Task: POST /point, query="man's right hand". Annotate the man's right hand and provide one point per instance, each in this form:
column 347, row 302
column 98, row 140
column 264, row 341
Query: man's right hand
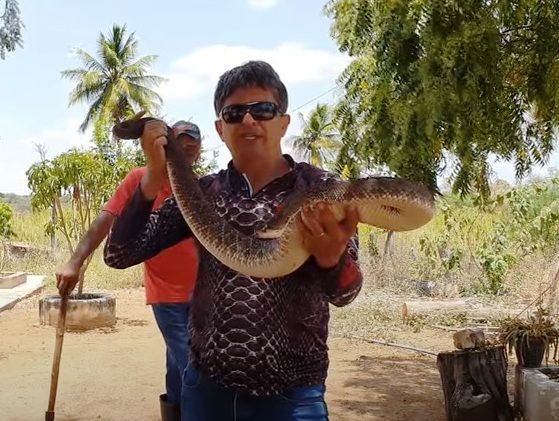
column 67, row 277
column 153, row 141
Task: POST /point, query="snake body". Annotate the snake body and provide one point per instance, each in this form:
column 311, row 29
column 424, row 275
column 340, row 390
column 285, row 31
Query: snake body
column 386, row 202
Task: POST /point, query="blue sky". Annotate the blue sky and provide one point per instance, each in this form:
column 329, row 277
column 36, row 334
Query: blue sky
column 195, row 40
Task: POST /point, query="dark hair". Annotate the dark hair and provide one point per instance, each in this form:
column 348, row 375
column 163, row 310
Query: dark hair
column 252, row 73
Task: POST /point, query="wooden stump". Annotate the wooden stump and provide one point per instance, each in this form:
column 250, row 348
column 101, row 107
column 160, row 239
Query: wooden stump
column 475, row 384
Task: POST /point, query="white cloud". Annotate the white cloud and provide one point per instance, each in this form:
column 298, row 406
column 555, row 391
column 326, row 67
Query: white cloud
column 262, row 4
column 197, row 73
column 18, row 154
column 60, row 139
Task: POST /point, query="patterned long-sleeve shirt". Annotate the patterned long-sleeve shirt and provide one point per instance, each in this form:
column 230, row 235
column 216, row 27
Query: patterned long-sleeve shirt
column 260, row 336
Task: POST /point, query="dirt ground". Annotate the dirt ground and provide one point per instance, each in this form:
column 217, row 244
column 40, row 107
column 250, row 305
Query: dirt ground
column 117, row 373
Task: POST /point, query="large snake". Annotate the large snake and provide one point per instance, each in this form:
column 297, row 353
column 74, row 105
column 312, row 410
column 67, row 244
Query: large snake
column 390, row 203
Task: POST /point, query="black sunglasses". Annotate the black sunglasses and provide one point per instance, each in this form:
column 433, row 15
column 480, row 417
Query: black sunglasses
column 260, row 111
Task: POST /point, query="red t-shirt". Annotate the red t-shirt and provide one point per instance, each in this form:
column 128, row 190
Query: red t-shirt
column 169, row 276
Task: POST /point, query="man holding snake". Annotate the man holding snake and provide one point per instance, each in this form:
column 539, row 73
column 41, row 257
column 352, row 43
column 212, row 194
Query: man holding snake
column 258, row 346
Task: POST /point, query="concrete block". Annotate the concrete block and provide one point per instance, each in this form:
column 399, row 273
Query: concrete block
column 539, row 394
column 12, row 279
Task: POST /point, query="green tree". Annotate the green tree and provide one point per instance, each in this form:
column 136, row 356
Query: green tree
column 204, row 166
column 319, row 140
column 115, row 84
column 10, row 28
column 76, row 183
column 437, row 83
column 6, row 214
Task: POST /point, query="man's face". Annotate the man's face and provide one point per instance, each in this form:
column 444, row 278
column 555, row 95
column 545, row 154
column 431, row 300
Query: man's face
column 251, row 136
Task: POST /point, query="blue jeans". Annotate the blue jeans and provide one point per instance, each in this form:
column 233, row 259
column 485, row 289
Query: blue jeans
column 172, row 319
column 204, row 400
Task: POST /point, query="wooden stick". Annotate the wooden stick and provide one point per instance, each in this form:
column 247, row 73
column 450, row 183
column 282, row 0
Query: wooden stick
column 60, row 328
column 377, row 342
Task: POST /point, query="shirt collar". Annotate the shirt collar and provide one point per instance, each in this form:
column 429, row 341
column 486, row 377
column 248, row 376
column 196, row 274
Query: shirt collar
column 237, row 181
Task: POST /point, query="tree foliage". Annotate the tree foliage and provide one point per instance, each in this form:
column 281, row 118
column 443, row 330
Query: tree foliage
column 116, row 84
column 204, row 166
column 84, row 179
column 76, row 184
column 319, row 140
column 6, row 214
column 488, row 242
column 437, row 83
column 11, row 28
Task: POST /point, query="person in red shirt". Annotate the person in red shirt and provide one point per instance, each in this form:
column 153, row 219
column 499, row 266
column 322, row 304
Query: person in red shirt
column 168, row 277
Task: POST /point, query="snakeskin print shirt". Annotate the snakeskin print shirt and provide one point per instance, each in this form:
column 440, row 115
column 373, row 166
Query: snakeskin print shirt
column 258, row 336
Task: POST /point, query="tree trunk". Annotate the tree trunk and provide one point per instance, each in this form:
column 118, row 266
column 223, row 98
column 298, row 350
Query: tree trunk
column 453, row 307
column 422, row 308
column 388, row 247
column 475, row 385
column 80, row 281
column 82, row 272
column 53, row 233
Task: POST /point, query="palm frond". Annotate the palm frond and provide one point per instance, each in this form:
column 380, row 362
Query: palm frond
column 146, row 81
column 139, row 66
column 90, row 62
column 92, row 115
column 116, row 81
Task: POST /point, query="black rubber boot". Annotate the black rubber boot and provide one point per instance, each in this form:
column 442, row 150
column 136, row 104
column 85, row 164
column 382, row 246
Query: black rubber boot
column 169, row 412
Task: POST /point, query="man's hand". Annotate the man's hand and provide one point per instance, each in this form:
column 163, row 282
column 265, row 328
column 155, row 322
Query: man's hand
column 324, row 237
column 153, row 141
column 67, row 277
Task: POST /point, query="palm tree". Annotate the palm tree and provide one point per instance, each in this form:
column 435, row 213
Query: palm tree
column 319, row 140
column 116, row 82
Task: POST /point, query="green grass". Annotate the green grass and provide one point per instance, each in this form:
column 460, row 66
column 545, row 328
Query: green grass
column 98, row 275
column 29, row 228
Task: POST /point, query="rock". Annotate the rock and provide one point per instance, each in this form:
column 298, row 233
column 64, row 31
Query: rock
column 469, row 339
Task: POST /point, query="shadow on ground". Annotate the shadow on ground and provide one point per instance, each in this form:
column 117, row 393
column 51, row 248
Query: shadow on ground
column 387, row 388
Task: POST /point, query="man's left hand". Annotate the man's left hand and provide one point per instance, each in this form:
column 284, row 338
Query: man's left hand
column 323, row 236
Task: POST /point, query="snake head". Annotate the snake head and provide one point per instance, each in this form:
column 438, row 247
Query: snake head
column 131, row 128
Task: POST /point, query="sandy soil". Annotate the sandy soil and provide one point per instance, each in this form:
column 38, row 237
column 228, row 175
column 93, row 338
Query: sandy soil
column 117, row 373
